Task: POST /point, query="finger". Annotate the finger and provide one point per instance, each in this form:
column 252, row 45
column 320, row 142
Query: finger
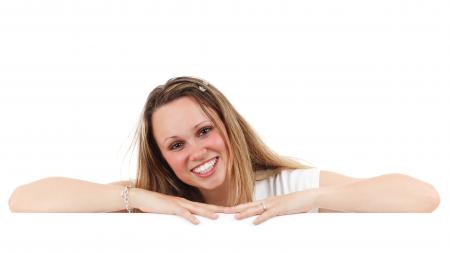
column 188, row 216
column 229, row 209
column 198, row 209
column 263, row 217
column 251, row 211
column 204, row 212
column 212, row 208
column 241, row 207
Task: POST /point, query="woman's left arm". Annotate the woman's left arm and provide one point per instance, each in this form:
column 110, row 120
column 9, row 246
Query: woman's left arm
column 386, row 193
column 339, row 193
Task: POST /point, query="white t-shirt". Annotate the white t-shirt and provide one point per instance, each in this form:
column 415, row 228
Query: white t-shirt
column 287, row 181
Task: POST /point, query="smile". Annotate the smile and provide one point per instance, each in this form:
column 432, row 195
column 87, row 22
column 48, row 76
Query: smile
column 207, row 168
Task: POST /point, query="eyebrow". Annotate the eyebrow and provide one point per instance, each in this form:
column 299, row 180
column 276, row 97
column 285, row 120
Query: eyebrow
column 174, row 137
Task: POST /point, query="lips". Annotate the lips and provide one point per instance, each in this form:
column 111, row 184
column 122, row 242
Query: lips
column 207, row 169
column 210, row 160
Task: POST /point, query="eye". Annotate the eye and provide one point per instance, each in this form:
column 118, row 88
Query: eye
column 205, row 130
column 176, row 145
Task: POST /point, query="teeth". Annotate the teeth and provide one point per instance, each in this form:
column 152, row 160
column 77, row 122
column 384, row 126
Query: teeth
column 205, row 167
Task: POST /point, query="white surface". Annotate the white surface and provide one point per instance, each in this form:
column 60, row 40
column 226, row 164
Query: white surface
column 162, row 233
column 357, row 87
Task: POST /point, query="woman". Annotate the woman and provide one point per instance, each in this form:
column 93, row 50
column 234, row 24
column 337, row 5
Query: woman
column 197, row 155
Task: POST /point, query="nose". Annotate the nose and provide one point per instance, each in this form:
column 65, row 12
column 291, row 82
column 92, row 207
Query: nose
column 198, row 152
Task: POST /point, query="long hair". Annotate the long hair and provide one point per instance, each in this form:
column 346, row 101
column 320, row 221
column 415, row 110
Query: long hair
column 249, row 159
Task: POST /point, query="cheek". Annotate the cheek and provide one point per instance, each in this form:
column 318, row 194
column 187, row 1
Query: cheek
column 216, row 142
column 176, row 161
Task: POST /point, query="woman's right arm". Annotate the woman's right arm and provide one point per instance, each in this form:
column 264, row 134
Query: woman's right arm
column 60, row 194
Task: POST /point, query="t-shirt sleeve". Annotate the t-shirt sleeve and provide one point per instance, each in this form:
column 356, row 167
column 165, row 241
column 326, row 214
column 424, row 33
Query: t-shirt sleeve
column 302, row 179
column 286, row 182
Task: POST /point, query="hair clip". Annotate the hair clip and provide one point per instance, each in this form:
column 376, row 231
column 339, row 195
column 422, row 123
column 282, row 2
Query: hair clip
column 203, row 86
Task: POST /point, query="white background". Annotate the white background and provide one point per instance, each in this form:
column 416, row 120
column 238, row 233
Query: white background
column 357, row 87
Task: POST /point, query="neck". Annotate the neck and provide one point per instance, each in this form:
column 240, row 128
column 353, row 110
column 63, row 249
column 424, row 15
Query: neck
column 217, row 196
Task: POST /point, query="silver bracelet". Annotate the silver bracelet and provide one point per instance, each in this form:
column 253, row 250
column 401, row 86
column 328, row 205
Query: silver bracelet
column 124, row 196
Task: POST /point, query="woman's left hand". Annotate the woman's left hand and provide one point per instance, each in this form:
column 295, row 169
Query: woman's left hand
column 292, row 203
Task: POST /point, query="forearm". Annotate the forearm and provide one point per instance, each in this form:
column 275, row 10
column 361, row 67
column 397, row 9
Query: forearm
column 59, row 194
column 387, row 193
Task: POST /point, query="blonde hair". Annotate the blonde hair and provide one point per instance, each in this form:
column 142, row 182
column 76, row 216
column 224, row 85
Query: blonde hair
column 249, row 159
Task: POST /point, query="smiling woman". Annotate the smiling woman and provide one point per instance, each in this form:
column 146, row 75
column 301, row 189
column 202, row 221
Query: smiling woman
column 196, row 152
column 198, row 155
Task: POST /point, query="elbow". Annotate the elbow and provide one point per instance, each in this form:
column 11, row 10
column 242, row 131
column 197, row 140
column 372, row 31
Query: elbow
column 19, row 200
column 24, row 197
column 433, row 200
column 13, row 202
column 430, row 197
column 426, row 197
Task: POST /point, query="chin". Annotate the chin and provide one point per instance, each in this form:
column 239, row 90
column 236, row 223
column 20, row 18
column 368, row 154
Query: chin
column 210, row 185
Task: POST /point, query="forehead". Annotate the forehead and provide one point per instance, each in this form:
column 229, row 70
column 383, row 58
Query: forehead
column 176, row 118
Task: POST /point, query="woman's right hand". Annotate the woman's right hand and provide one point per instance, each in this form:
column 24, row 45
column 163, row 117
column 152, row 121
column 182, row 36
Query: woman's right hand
column 154, row 202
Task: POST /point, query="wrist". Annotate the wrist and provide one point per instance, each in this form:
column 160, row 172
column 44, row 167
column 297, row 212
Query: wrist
column 133, row 198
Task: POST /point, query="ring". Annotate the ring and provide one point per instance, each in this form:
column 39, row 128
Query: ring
column 264, row 206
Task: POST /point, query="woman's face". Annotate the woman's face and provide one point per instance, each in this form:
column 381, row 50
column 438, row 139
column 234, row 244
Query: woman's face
column 190, row 143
